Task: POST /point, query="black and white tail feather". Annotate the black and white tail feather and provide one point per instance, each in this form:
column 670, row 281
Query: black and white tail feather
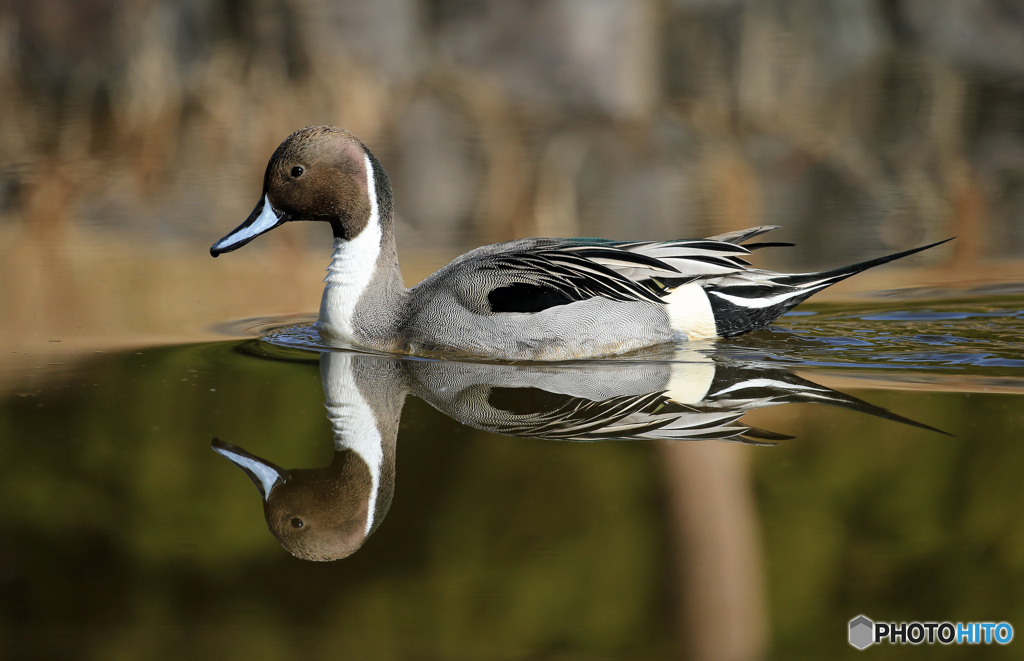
column 742, row 299
column 753, row 299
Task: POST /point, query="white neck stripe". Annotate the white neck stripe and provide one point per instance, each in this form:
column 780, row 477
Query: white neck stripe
column 352, row 266
column 371, row 189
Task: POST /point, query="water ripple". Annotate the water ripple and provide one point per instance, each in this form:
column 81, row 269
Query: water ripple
column 979, row 336
column 974, row 335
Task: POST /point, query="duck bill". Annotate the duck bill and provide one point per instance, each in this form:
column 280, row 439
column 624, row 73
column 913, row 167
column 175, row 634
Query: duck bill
column 265, row 475
column 262, row 219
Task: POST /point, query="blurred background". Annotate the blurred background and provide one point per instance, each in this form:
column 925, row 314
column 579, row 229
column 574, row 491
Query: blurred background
column 133, row 134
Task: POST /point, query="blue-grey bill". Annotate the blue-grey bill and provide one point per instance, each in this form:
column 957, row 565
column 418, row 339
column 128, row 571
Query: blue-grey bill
column 262, row 219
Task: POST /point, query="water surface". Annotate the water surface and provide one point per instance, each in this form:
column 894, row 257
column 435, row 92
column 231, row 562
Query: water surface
column 127, row 535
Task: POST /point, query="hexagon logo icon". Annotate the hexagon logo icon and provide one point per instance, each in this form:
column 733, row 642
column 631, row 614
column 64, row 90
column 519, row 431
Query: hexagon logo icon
column 862, row 632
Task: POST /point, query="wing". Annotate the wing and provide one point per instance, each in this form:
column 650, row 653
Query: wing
column 531, row 281
column 531, row 275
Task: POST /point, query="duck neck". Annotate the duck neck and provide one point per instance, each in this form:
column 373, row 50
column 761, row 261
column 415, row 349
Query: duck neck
column 364, row 291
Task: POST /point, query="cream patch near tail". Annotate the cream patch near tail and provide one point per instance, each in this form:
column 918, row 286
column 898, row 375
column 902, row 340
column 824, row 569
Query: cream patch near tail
column 689, row 312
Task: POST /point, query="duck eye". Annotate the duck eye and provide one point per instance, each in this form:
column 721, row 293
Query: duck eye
column 297, row 522
column 297, row 172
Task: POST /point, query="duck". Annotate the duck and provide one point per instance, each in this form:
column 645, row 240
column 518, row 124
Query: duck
column 533, row 299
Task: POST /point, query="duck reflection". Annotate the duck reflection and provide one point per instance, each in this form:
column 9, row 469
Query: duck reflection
column 327, row 513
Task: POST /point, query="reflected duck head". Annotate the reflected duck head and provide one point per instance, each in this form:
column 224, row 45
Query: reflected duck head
column 317, row 514
column 317, row 173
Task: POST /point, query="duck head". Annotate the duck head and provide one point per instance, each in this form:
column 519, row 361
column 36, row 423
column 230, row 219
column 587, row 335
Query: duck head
column 318, row 173
column 316, row 514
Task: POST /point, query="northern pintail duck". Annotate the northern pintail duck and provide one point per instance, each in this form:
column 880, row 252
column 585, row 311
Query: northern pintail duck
column 530, row 299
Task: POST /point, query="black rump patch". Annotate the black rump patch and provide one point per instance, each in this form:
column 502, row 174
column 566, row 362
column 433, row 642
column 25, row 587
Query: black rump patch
column 732, row 319
column 524, row 297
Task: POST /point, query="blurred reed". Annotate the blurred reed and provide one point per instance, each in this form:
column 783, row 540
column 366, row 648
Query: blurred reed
column 857, row 124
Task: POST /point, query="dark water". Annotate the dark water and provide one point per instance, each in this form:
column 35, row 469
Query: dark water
column 127, row 536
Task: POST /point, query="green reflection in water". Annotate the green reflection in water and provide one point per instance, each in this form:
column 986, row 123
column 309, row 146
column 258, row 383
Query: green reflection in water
column 125, row 536
column 898, row 526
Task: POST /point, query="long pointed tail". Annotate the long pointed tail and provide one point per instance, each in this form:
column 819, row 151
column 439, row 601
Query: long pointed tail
column 836, row 275
column 743, row 306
